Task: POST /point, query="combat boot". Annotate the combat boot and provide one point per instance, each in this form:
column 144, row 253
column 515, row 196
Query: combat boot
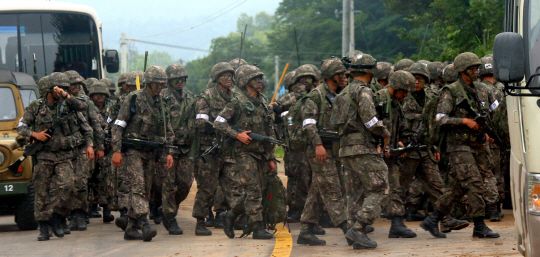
column 398, row 229
column 240, row 222
column 219, row 219
column 294, row 216
column 492, row 213
column 449, row 223
column 360, row 238
column 481, row 230
column 93, row 212
column 73, row 221
column 43, row 231
column 131, row 232
column 343, row 226
column 200, row 228
column 81, row 225
column 431, row 224
column 318, row 230
column 414, row 215
column 157, row 216
column 147, row 232
column 259, row 232
column 172, row 225
column 326, row 222
column 307, row 237
column 211, row 220
column 228, row 223
column 63, row 223
column 107, row 216
column 122, row 221
column 56, row 226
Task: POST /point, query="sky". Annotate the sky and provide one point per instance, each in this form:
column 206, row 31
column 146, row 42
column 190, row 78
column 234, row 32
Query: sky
column 143, row 19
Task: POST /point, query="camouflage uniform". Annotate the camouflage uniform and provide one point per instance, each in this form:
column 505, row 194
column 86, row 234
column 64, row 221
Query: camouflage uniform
column 53, row 177
column 148, row 120
column 245, row 166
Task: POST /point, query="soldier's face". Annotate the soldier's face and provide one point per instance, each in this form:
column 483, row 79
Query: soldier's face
column 157, row 87
column 131, row 88
column 400, row 94
column 178, row 83
column 123, row 87
column 74, row 88
column 383, row 82
column 98, row 98
column 256, row 83
column 472, row 72
column 420, row 82
column 341, row 79
column 225, row 79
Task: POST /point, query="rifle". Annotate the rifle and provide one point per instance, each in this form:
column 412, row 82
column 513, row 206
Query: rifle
column 136, row 143
column 484, row 123
column 395, row 152
column 257, row 137
column 327, row 135
column 34, row 147
column 145, row 59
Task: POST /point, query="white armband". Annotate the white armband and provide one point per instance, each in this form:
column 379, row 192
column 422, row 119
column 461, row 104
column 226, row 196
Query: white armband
column 109, row 120
column 202, row 116
column 493, row 106
column 284, row 113
column 439, row 116
column 309, row 121
column 22, row 124
column 372, row 122
column 221, row 119
column 120, row 123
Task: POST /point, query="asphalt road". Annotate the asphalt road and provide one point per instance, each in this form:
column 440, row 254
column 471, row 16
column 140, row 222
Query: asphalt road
column 107, row 240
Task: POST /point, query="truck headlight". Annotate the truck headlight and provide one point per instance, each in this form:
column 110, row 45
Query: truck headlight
column 2, row 158
column 534, row 193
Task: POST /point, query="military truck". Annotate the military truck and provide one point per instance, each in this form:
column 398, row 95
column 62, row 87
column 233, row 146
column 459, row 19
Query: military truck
column 17, row 90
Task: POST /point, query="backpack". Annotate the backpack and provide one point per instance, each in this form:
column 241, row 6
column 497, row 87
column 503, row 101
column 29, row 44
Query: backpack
column 431, row 129
column 274, row 202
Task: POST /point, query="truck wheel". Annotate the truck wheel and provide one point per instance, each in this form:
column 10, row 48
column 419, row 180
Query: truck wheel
column 25, row 212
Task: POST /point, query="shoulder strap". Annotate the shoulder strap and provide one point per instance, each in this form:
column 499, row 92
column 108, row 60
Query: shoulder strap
column 347, row 89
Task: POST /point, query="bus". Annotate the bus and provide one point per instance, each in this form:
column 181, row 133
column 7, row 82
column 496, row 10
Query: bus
column 41, row 37
column 516, row 55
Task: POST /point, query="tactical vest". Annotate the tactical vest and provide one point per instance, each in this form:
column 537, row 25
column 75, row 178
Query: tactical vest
column 180, row 111
column 147, row 118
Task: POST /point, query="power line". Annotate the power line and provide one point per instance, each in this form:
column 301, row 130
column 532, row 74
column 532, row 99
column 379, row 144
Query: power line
column 167, row 45
column 197, row 24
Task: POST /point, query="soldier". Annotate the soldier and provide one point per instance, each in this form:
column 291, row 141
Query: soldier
column 365, row 171
column 422, row 164
column 322, row 154
column 237, row 63
column 178, row 179
column 208, row 105
column 464, row 145
column 403, row 64
column 130, row 85
column 79, row 203
column 384, row 70
column 449, row 74
column 86, row 84
column 435, row 76
column 103, row 172
column 53, row 177
column 500, row 119
column 246, row 162
column 112, row 90
column 142, row 116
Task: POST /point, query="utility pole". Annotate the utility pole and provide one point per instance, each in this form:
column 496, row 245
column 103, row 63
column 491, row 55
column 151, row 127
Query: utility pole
column 276, row 77
column 346, row 30
column 123, row 54
column 351, row 26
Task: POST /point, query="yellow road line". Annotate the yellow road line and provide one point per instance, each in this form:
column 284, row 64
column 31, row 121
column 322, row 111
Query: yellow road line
column 284, row 242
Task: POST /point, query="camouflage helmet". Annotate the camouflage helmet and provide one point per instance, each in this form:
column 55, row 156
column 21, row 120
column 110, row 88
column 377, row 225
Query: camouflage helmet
column 220, row 68
column 288, row 79
column 89, row 82
column 403, row 64
column 43, row 86
column 486, row 68
column 316, row 70
column 331, row 67
column 403, row 80
column 176, row 71
column 353, row 53
column 303, row 71
column 246, row 73
column 99, row 88
column 110, row 83
column 132, row 78
column 236, row 63
column 58, row 79
column 155, row 74
column 383, row 71
column 74, row 77
column 420, row 69
column 465, row 60
column 363, row 63
column 123, row 78
column 424, row 61
column 435, row 70
column 449, row 75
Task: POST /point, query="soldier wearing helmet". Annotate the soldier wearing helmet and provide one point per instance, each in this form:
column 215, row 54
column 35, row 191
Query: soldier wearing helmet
column 305, row 77
column 318, row 79
column 143, row 115
column 208, row 105
column 79, row 204
column 421, row 75
column 435, row 75
column 449, row 74
column 465, row 148
column 53, row 173
column 322, row 154
column 384, row 70
column 403, row 64
column 242, row 170
column 177, row 180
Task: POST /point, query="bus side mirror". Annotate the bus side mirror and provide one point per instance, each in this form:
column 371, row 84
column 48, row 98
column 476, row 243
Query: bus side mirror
column 110, row 59
column 509, row 57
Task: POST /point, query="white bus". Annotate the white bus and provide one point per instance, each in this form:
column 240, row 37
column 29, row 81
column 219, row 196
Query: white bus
column 517, row 65
column 59, row 36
